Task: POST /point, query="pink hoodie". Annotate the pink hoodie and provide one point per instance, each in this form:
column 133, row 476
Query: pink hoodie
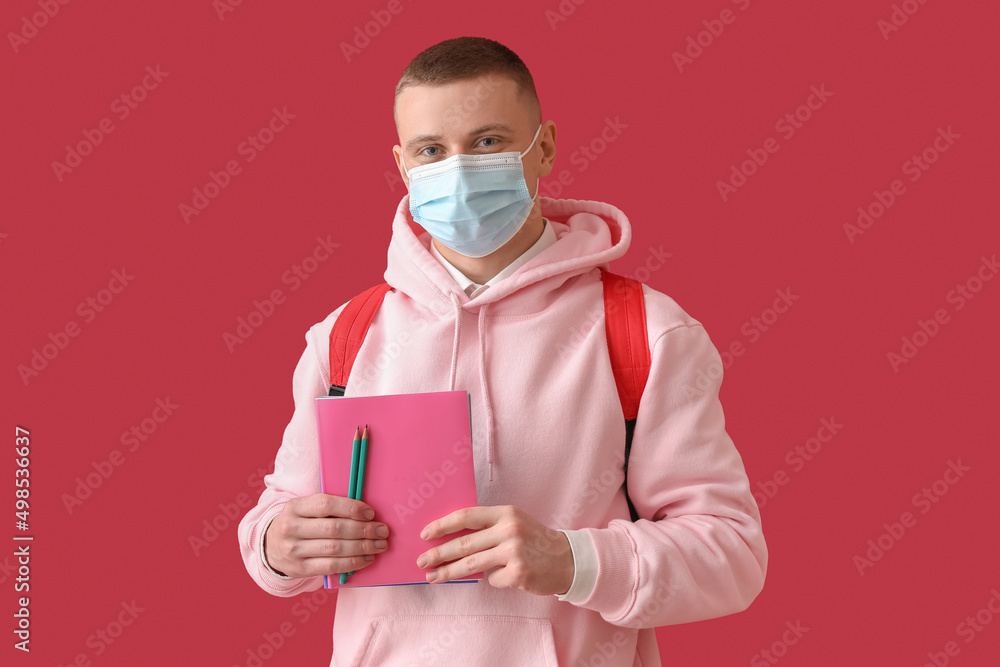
column 548, row 436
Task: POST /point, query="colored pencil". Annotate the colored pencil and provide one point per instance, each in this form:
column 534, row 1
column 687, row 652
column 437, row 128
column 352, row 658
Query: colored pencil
column 352, row 485
column 361, row 464
column 362, row 459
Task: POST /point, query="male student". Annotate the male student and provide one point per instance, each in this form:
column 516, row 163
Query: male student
column 499, row 292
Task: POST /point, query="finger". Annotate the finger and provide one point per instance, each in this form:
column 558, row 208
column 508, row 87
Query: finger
column 306, row 549
column 459, row 547
column 311, row 567
column 475, row 518
column 471, row 564
column 309, row 528
column 326, row 505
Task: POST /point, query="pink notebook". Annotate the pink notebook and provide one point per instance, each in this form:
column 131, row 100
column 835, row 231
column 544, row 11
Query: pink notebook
column 419, row 468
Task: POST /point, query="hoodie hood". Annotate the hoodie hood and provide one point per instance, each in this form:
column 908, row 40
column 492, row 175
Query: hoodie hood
column 589, row 235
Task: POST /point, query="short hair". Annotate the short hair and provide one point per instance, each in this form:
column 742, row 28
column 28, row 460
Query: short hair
column 465, row 58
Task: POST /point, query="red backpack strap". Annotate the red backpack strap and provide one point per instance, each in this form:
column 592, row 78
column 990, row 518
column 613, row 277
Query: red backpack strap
column 628, row 345
column 349, row 332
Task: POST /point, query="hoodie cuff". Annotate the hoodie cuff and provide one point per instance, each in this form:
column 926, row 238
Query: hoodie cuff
column 614, row 591
column 585, row 563
column 263, row 557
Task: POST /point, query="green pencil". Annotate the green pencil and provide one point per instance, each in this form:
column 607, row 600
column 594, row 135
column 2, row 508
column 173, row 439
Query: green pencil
column 361, row 464
column 352, row 485
column 362, row 458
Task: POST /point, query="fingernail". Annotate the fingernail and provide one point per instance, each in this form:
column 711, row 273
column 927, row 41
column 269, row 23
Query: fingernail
column 369, row 557
column 432, row 575
column 422, row 561
column 380, row 544
column 382, row 531
column 423, row 534
column 369, row 514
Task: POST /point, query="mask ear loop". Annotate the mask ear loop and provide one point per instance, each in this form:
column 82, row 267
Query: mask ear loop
column 538, row 181
column 526, row 150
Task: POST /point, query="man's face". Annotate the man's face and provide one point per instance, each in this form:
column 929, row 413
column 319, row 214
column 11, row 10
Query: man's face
column 474, row 116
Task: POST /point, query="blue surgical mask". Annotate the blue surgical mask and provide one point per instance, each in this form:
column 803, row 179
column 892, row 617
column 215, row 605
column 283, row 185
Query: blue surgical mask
column 472, row 203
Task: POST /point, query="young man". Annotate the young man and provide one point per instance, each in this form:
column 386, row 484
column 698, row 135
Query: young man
column 499, row 292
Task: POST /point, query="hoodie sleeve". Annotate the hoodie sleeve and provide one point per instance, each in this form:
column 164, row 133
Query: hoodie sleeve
column 296, row 466
column 699, row 551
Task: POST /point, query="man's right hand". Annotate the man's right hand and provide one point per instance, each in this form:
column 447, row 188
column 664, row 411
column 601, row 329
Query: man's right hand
column 323, row 534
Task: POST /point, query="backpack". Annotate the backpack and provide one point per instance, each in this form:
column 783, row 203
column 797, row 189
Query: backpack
column 625, row 325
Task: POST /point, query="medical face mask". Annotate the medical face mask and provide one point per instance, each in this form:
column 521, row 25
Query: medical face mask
column 472, row 203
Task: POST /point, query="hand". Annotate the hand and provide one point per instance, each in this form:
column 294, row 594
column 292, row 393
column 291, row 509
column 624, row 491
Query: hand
column 525, row 554
column 323, row 534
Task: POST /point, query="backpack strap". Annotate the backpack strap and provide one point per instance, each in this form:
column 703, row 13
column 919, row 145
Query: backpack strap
column 625, row 326
column 349, row 332
column 628, row 346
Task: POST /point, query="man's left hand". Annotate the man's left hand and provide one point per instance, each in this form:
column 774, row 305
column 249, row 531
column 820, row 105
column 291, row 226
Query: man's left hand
column 521, row 552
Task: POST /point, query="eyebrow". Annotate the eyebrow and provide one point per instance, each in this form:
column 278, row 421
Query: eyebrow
column 489, row 127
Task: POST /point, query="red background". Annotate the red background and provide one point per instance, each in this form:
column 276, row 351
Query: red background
column 325, row 175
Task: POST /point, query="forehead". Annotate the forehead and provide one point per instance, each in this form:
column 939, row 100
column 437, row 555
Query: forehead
column 458, row 106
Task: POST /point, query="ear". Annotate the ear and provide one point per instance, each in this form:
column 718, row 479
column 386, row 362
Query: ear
column 547, row 142
column 397, row 154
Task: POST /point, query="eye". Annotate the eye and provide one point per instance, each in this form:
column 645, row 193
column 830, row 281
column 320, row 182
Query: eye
column 492, row 139
column 428, row 148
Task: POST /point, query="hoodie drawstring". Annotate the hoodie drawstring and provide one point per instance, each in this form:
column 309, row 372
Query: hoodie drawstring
column 454, row 345
column 483, row 387
column 490, row 445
